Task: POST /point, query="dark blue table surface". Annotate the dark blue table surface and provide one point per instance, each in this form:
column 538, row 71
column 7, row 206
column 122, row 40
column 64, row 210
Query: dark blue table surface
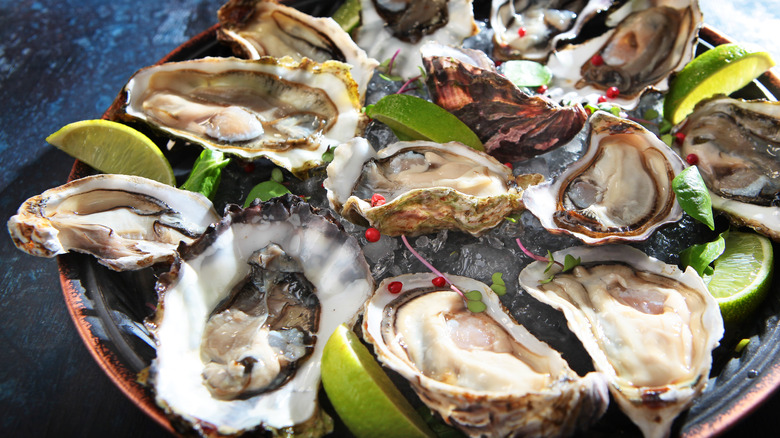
column 64, row 61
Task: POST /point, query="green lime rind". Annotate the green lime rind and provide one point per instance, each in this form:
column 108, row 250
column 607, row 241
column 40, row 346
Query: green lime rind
column 742, row 275
column 112, row 147
column 413, row 118
column 721, row 70
column 348, row 15
column 366, row 399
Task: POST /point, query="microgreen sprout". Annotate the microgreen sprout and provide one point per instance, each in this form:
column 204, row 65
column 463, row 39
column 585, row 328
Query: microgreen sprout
column 473, row 298
column 569, row 262
column 327, row 156
column 405, row 87
column 498, row 286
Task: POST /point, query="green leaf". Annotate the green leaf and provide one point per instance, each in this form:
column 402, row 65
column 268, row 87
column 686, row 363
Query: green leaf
column 741, row 345
column 476, row 306
column 499, row 289
column 473, row 295
column 547, row 280
column 668, row 139
column 650, row 114
column 700, row 256
column 206, row 173
column 665, row 127
column 265, row 191
column 498, row 286
column 693, row 196
column 527, row 73
column 514, row 218
column 569, row 262
column 327, row 156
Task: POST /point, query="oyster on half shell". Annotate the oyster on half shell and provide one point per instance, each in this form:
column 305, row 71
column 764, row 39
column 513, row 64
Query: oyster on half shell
column 544, row 22
column 620, row 190
column 243, row 318
column 426, row 186
column 644, row 43
column 127, row 222
column 737, row 144
column 257, row 28
column 482, row 372
column 649, row 327
column 403, row 26
column 287, row 111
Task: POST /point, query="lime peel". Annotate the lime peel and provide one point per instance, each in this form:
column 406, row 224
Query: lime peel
column 414, row 118
column 362, row 394
column 723, row 69
column 112, row 147
column 742, row 275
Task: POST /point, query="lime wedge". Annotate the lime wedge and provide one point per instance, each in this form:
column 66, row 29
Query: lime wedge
column 348, row 15
column 721, row 70
column 743, row 274
column 413, row 118
column 362, row 394
column 112, row 147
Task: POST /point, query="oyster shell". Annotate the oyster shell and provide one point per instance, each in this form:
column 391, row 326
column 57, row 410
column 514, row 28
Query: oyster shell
column 513, row 125
column 427, row 187
column 646, row 41
column 483, row 373
column 290, row 112
column 403, row 26
column 243, row 318
column 544, row 22
column 127, row 222
column 620, row 190
column 257, row 28
column 737, row 143
column 649, row 327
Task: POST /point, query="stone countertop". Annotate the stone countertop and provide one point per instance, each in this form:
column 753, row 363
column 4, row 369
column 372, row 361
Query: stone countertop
column 64, row 61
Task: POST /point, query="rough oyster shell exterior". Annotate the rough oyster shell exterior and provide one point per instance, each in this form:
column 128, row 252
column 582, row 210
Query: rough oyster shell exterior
column 427, row 208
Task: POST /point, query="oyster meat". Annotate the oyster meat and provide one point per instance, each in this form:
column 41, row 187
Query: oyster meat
column 257, row 28
column 127, row 222
column 426, row 187
column 620, row 190
column 483, row 373
column 512, row 124
column 736, row 144
column 543, row 22
column 243, row 318
column 403, row 26
column 645, row 42
column 649, row 327
column 288, row 111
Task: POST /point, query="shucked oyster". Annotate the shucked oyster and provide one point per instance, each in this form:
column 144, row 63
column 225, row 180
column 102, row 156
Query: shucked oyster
column 543, row 22
column 426, row 187
column 127, row 222
column 649, row 327
column 483, row 373
column 403, row 26
column 620, row 190
column 646, row 41
column 290, row 112
column 243, row 319
column 736, row 145
column 257, row 28
column 513, row 125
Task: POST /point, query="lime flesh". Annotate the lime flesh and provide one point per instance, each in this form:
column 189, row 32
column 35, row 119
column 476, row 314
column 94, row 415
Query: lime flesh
column 112, row 147
column 743, row 274
column 362, row 394
column 721, row 70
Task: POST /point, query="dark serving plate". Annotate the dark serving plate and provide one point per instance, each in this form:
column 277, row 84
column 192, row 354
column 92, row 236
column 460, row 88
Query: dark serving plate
column 108, row 308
